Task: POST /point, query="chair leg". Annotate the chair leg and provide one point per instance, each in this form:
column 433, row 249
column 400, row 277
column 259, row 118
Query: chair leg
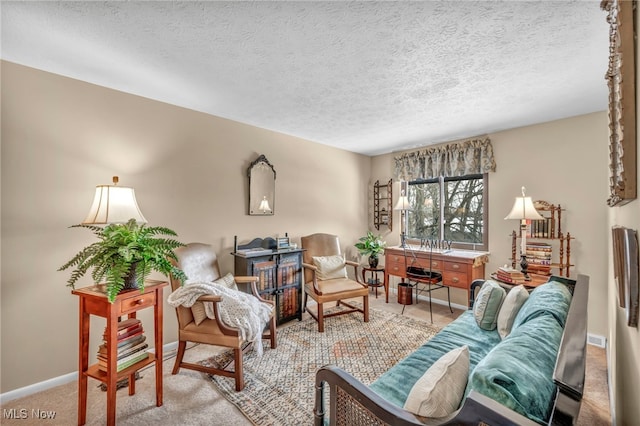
column 272, row 332
column 430, row 309
column 238, row 369
column 449, row 299
column 320, row 318
column 365, row 304
column 182, row 345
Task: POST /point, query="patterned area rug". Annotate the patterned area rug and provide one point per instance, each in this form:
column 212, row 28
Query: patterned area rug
column 279, row 386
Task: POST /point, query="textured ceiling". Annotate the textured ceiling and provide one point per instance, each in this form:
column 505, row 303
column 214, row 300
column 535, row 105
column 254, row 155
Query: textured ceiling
column 368, row 77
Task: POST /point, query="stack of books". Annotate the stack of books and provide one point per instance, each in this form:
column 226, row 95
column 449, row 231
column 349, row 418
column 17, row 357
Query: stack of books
column 539, row 258
column 131, row 347
column 542, row 228
column 510, row 275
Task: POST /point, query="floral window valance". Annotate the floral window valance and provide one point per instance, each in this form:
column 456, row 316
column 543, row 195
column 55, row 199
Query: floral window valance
column 474, row 156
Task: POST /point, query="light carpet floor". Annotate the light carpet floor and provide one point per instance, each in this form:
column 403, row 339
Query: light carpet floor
column 190, row 398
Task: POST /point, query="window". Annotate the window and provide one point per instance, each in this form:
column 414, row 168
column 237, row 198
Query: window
column 449, row 208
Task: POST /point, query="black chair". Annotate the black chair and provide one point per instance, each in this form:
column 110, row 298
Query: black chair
column 418, row 275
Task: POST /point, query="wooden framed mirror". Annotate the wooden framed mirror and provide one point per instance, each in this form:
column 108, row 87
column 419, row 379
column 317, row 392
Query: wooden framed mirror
column 262, row 187
column 620, row 76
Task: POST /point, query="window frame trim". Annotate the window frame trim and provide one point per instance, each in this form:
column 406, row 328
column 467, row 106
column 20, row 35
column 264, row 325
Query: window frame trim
column 484, row 246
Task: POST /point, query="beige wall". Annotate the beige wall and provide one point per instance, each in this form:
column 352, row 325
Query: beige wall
column 62, row 137
column 624, row 349
column 562, row 162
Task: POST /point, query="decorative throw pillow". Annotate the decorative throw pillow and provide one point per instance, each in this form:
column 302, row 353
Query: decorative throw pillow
column 487, row 305
column 510, row 307
column 197, row 309
column 440, row 390
column 198, row 312
column 330, row 267
column 227, row 281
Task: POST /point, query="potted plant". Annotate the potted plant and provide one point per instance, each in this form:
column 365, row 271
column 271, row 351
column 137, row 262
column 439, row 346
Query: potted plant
column 371, row 245
column 125, row 255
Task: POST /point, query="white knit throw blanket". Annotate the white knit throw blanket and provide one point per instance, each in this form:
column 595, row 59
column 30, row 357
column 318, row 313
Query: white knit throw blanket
column 237, row 309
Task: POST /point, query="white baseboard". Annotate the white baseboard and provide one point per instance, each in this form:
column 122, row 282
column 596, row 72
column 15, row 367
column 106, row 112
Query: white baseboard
column 38, row 387
column 57, row 381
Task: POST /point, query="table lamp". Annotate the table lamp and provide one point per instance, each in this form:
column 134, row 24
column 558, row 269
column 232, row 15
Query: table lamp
column 403, row 206
column 522, row 210
column 114, row 204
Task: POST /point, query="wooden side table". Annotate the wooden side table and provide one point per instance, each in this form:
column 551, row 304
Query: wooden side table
column 93, row 301
column 374, row 281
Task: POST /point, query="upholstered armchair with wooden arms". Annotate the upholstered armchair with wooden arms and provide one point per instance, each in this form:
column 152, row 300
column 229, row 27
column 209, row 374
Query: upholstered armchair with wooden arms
column 326, row 278
column 199, row 262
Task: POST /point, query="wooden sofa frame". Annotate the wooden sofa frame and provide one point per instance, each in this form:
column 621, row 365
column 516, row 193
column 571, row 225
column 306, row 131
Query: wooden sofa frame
column 352, row 403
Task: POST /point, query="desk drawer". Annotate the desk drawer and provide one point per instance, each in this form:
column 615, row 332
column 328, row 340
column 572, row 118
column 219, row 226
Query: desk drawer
column 435, row 265
column 455, row 266
column 137, row 301
column 455, row 279
column 395, row 266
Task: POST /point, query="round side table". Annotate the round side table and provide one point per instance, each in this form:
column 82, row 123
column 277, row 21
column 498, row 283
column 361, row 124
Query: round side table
column 374, row 281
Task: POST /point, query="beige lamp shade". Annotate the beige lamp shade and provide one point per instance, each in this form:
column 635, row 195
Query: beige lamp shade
column 114, row 204
column 523, row 209
column 403, row 202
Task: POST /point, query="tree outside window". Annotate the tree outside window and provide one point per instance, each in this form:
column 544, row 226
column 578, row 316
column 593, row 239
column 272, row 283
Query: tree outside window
column 452, row 209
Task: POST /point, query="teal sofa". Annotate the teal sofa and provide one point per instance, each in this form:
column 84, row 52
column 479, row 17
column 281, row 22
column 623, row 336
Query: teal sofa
column 533, row 376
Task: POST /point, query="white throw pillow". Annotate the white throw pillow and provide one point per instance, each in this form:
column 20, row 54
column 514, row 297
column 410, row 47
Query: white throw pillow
column 440, row 390
column 227, row 281
column 510, row 308
column 198, row 312
column 330, row 267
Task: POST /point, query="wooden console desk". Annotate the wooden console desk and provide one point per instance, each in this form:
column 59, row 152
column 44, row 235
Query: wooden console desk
column 93, row 301
column 458, row 267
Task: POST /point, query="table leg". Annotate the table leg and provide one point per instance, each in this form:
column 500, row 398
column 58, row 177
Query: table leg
column 112, row 373
column 157, row 319
column 83, row 363
column 386, row 286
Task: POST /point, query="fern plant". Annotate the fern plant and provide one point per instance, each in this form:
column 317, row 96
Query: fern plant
column 124, row 251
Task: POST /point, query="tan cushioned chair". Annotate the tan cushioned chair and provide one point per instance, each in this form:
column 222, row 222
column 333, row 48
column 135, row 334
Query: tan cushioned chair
column 199, row 262
column 330, row 290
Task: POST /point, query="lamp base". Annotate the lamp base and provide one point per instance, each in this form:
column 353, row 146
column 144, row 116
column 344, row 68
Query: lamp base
column 524, row 265
column 403, row 240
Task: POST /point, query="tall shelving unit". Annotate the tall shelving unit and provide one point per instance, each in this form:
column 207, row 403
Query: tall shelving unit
column 382, row 209
column 549, row 230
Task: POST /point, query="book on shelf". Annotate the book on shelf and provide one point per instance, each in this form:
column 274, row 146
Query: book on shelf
column 125, row 362
column 256, row 251
column 127, row 325
column 131, row 341
column 510, row 275
column 102, row 350
column 125, row 354
column 539, row 269
column 136, row 331
column 539, row 228
column 130, row 346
